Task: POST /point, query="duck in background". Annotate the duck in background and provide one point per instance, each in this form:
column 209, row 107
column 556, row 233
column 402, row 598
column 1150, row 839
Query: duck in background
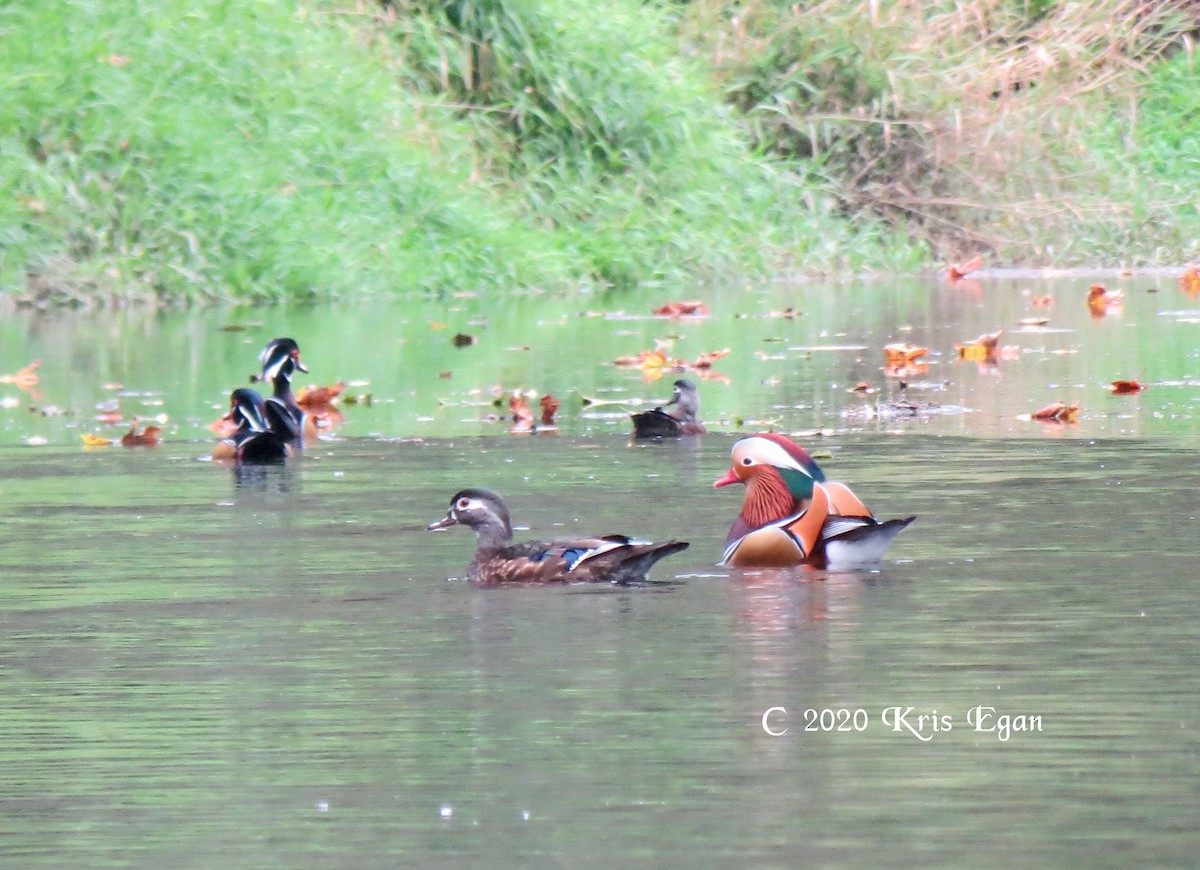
column 680, row 418
column 792, row 515
column 280, row 360
column 498, row 561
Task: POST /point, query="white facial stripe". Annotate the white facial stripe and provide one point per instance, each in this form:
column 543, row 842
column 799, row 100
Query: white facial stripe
column 767, row 452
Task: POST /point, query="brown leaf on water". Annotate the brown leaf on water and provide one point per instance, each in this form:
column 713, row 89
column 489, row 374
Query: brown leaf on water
column 982, row 349
column 462, row 339
column 549, row 408
column 25, row 379
column 862, row 388
column 958, row 271
column 148, row 437
column 1189, row 281
column 1057, row 412
column 1103, row 302
column 317, row 397
column 522, row 417
column 683, row 309
column 1126, row 388
column 705, row 360
column 899, row 353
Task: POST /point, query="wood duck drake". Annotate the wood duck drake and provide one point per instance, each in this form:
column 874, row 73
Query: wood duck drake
column 682, row 419
column 264, row 434
column 498, row 561
column 792, row 515
column 280, row 360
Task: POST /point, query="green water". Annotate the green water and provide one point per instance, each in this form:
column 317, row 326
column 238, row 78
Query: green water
column 282, row 670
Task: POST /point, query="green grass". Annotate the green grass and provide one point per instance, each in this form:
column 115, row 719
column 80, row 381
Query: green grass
column 188, row 151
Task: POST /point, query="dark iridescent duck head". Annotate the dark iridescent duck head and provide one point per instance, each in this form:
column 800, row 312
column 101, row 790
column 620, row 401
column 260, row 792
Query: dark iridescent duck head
column 264, row 430
column 609, row 558
column 680, row 416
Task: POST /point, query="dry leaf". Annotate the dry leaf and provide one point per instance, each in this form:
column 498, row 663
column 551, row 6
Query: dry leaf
column 958, row 271
column 1058, row 412
column 1126, row 388
column 682, row 309
column 315, row 397
column 91, row 440
column 463, row 340
column 549, row 408
column 1189, row 281
column 148, row 437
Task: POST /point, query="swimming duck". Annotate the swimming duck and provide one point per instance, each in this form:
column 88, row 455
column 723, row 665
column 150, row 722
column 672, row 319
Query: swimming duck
column 793, row 515
column 679, row 420
column 265, row 430
column 280, row 360
column 612, row 558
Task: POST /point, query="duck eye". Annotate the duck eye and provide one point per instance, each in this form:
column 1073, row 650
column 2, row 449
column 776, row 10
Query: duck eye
column 463, row 504
column 747, row 461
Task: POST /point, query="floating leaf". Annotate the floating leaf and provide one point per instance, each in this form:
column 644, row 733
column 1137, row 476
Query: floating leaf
column 315, row 397
column 522, row 417
column 1042, row 301
column 1033, row 321
column 1103, row 302
column 983, row 349
column 958, row 271
column 1189, row 281
column 25, row 379
column 1057, row 412
column 461, row 339
column 549, row 407
column 91, row 440
column 1126, row 388
column 683, row 309
column 148, row 437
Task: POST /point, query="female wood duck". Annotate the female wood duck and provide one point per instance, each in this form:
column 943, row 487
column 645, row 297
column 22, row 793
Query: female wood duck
column 280, row 360
column 792, row 515
column 498, row 561
column 679, row 420
column 264, row 434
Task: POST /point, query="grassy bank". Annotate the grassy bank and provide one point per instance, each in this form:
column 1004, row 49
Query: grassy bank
column 1027, row 129
column 209, row 149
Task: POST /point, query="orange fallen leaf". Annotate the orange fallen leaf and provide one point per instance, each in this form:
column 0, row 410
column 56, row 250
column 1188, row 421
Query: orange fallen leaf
column 902, row 353
column 549, row 409
column 958, row 271
column 315, row 397
column 682, row 309
column 984, row 348
column 1103, row 301
column 25, row 379
column 1189, row 281
column 1126, row 388
column 705, row 360
column 148, row 437
column 1058, row 412
column 91, row 440
column 522, row 416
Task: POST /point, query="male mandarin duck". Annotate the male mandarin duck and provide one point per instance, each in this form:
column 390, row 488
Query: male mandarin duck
column 679, row 420
column 280, row 360
column 265, row 430
column 610, row 558
column 792, row 515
